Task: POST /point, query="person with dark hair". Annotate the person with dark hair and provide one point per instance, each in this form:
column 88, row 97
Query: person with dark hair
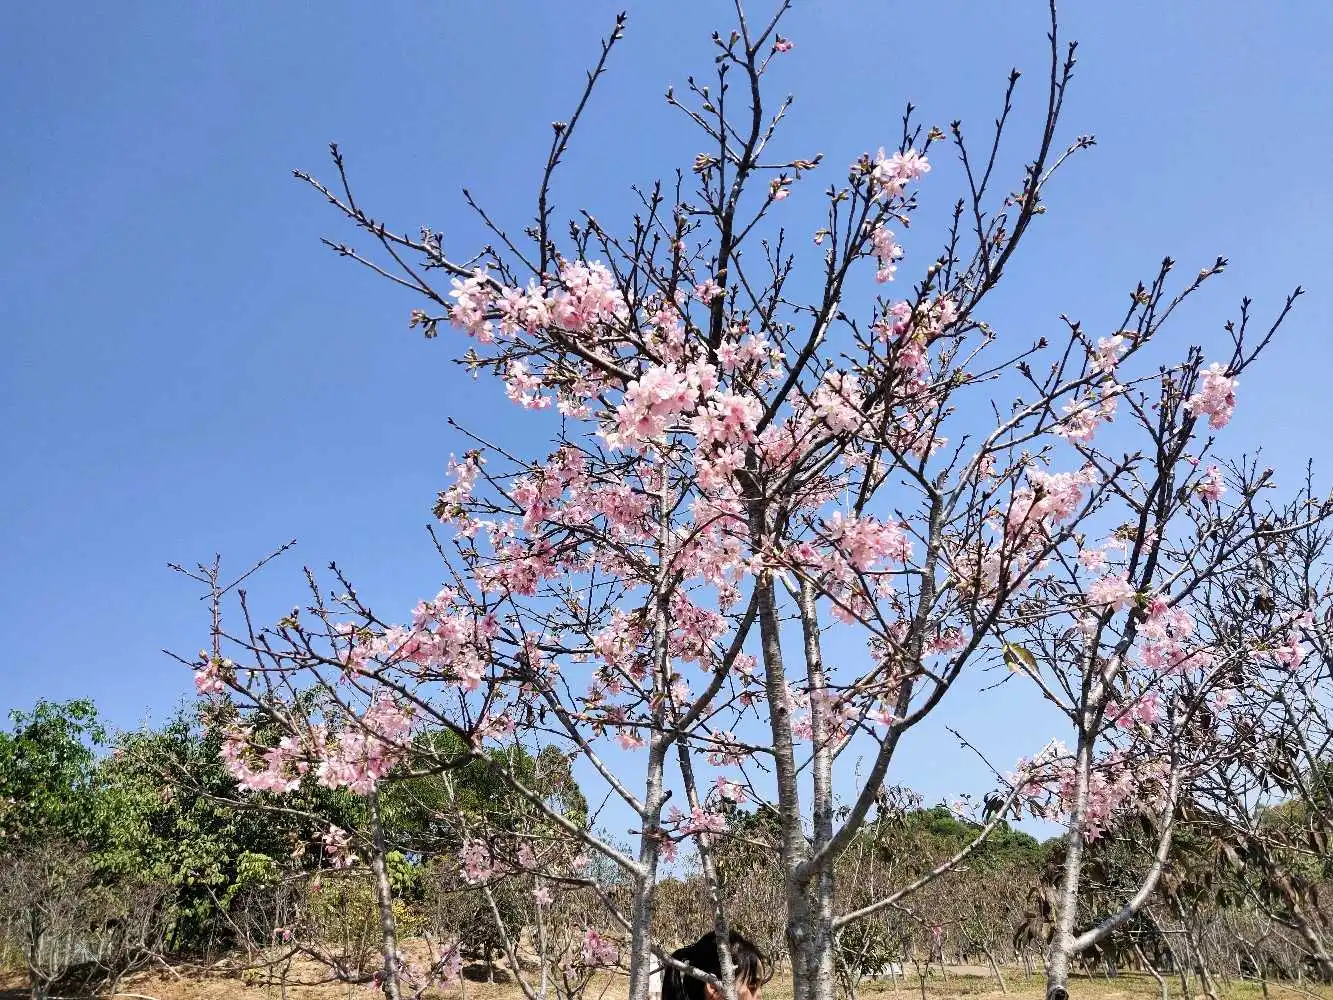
column 747, row 961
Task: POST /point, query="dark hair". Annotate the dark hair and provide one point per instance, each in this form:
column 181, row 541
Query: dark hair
column 747, row 961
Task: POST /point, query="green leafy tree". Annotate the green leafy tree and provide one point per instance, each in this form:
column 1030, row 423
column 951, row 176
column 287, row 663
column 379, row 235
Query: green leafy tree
column 48, row 779
column 199, row 833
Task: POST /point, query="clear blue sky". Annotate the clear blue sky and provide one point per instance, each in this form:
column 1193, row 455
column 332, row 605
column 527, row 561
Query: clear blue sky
column 187, row 371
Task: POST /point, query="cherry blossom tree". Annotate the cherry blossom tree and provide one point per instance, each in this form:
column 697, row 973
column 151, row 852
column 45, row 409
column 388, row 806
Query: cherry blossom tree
column 754, row 451
column 1270, row 807
column 1112, row 635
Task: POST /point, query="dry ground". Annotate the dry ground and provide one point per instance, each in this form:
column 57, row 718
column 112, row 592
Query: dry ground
column 964, row 983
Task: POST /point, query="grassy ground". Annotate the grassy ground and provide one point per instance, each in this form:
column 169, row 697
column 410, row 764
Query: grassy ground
column 957, row 983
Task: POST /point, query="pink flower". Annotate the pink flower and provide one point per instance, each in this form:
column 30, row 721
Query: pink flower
column 1216, row 397
column 1052, row 498
column 946, row 640
column 729, row 790
column 366, row 750
column 449, row 968
column 338, row 847
column 886, row 251
column 590, row 298
column 704, row 821
column 1112, row 592
column 629, row 740
column 1107, row 354
column 1092, row 559
column 727, row 419
column 1211, row 487
column 524, row 311
column 206, row 679
column 472, row 300
column 597, row 950
column 709, row 291
column 891, row 174
column 838, row 402
column 524, row 388
column 1289, row 654
column 661, row 395
column 881, row 717
column 283, row 768
column 1081, row 418
column 782, row 45
column 1142, row 712
column 865, row 541
column 542, row 896
column 476, row 861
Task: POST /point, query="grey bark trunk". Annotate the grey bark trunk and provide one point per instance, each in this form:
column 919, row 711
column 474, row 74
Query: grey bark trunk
column 1060, row 953
column 645, row 886
column 793, row 845
column 35, row 956
column 384, row 900
column 1161, row 981
column 995, row 968
column 712, row 881
column 654, row 795
column 820, row 936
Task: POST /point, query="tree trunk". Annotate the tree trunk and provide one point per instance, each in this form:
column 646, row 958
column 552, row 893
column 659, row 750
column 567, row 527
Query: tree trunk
column 384, row 899
column 1196, row 952
column 654, row 796
column 793, row 847
column 995, row 968
column 35, row 935
column 1313, row 939
column 1060, row 952
column 821, row 935
column 1161, row 982
column 712, row 881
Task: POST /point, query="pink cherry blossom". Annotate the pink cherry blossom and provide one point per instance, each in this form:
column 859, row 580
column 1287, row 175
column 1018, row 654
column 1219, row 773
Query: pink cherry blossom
column 662, row 394
column 728, row 418
column 1211, row 487
column 472, row 303
column 524, row 388
column 886, row 251
column 891, row 174
column 838, row 402
column 709, row 292
column 589, row 298
column 1216, row 398
column 338, row 847
column 729, row 790
column 865, row 541
column 598, row 951
column 881, row 717
column 478, row 866
column 1107, row 353
column 1289, row 654
column 1112, row 591
column 524, row 311
column 207, row 679
column 1092, row 559
column 1050, row 499
column 1143, row 711
column 703, row 820
column 627, row 739
column 366, row 750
